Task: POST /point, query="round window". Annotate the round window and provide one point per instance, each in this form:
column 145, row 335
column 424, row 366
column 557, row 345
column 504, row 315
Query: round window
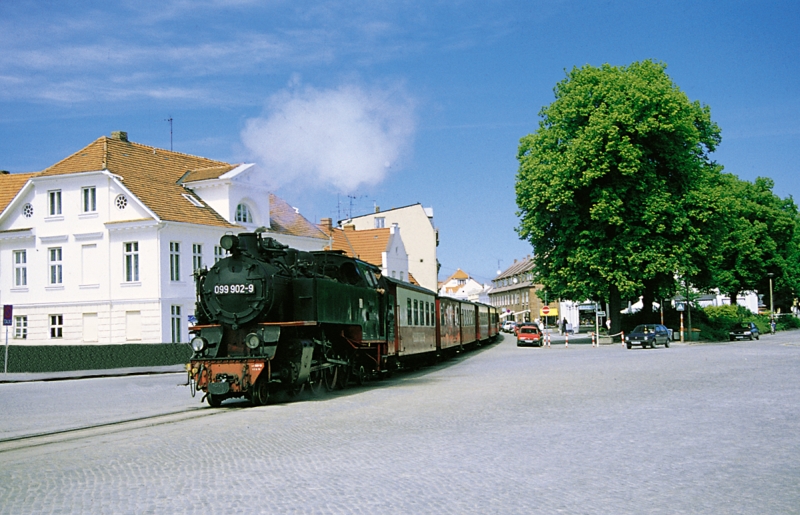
column 121, row 201
column 27, row 210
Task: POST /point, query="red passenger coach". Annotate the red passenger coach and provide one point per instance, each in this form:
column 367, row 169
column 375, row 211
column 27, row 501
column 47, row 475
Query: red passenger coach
column 449, row 326
column 416, row 319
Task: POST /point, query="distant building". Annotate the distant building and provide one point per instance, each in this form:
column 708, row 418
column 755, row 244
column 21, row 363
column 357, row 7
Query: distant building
column 381, row 247
column 419, row 234
column 514, row 294
column 101, row 247
column 461, row 286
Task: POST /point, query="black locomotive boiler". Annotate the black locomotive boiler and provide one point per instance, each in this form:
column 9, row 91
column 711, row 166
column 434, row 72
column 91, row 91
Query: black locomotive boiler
column 273, row 318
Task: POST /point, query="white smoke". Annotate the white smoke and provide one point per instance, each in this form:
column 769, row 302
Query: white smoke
column 344, row 138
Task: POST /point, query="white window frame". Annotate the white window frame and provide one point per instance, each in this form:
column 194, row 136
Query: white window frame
column 89, row 199
column 197, row 256
column 54, row 202
column 56, row 326
column 174, row 261
column 55, row 265
column 175, row 323
column 219, row 253
column 380, row 222
column 21, row 327
column 20, row 268
column 130, row 261
column 243, row 214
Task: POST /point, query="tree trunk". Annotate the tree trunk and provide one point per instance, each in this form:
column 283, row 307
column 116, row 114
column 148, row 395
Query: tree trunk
column 614, row 300
column 647, row 300
column 733, row 296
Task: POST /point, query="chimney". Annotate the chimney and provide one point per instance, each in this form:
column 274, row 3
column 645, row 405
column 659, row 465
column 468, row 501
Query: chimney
column 349, row 227
column 119, row 135
column 326, row 224
column 377, row 209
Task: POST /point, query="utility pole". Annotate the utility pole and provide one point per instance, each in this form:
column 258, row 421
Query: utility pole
column 170, row 131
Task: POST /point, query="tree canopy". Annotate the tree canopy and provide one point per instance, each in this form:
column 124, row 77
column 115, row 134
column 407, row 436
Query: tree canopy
column 609, row 187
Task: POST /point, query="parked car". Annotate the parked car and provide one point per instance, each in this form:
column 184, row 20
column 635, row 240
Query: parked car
column 529, row 335
column 508, row 327
column 648, row 335
column 744, row 330
column 524, row 324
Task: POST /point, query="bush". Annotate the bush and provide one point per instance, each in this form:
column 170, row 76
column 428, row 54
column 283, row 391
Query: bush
column 59, row 358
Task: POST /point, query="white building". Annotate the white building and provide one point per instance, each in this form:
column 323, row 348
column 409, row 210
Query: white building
column 463, row 287
column 420, row 236
column 101, row 246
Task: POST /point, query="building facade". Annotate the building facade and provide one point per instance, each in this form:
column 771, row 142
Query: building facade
column 101, row 247
column 515, row 295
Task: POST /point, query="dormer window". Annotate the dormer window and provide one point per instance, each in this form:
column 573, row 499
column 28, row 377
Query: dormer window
column 243, row 214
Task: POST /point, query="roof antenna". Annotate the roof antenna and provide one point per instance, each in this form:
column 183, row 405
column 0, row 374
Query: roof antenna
column 170, row 131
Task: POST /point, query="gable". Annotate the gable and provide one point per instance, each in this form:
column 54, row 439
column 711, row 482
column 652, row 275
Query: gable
column 154, row 176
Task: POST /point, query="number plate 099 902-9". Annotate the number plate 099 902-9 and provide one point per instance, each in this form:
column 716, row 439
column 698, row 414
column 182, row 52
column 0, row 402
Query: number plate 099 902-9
column 221, row 289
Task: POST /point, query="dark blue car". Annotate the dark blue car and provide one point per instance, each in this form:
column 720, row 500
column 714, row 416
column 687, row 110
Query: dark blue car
column 648, row 335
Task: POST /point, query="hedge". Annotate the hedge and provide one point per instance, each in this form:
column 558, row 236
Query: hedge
column 62, row 358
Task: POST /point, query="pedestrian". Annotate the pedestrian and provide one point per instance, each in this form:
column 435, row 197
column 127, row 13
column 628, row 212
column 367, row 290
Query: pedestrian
column 562, row 329
column 772, row 325
column 608, row 324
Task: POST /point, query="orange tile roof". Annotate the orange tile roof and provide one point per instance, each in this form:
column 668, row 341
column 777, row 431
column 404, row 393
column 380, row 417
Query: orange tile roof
column 152, row 174
column 459, row 274
column 366, row 245
column 10, row 184
column 412, row 280
column 285, row 219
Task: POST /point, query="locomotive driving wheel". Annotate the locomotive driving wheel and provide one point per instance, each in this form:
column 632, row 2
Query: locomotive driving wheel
column 330, row 377
column 315, row 382
column 259, row 395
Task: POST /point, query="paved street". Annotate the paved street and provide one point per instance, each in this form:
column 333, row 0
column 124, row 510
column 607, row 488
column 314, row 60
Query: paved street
column 692, row 429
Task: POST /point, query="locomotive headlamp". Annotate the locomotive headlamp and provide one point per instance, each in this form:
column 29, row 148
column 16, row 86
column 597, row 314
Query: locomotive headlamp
column 199, row 343
column 229, row 241
column 252, row 340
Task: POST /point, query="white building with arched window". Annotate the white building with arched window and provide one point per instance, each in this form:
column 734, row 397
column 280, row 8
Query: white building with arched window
column 100, row 247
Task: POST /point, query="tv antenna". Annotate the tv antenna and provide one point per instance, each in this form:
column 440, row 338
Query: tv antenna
column 170, row 131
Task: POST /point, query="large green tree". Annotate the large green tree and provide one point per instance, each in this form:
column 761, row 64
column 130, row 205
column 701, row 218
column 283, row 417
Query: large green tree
column 756, row 237
column 610, row 188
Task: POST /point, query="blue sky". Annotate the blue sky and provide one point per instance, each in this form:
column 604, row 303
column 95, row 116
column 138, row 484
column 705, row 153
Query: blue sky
column 383, row 103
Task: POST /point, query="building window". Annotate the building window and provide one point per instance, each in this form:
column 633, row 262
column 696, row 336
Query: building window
column 243, row 214
column 176, row 323
column 380, row 222
column 197, row 256
column 54, row 261
column 21, row 327
column 121, row 201
column 27, row 210
column 20, row 268
column 131, row 261
column 56, row 326
column 55, row 202
column 219, row 253
column 174, row 261
column 89, row 199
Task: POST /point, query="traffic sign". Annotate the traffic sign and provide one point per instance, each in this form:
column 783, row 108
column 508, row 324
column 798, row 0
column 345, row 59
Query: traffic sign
column 601, row 313
column 546, row 310
column 7, row 312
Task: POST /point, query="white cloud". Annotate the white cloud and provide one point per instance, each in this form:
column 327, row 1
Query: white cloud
column 342, row 138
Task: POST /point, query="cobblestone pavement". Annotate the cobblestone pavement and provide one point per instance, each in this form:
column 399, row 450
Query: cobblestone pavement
column 690, row 429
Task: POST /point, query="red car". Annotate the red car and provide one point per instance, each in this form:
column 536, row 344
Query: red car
column 529, row 335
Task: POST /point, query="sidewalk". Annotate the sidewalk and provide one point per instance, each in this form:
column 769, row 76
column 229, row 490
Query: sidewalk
column 82, row 374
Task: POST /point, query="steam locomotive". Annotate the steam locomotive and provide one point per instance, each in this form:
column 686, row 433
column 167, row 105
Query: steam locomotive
column 272, row 318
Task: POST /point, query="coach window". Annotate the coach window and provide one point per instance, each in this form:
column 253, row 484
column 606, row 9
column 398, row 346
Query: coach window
column 408, row 312
column 416, row 312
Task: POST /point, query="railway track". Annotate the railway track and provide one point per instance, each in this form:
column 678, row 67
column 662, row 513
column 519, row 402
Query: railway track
column 67, row 435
